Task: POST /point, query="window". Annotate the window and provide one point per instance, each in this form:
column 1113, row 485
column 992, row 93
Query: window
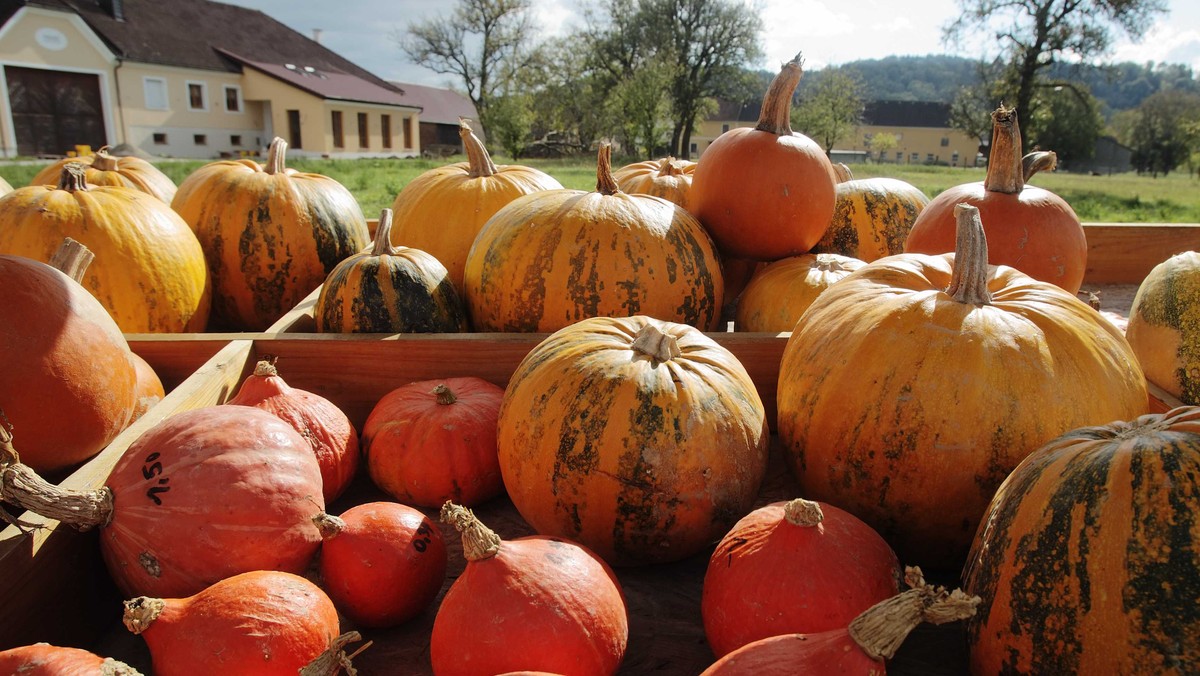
column 233, row 99
column 338, row 139
column 724, row 128
column 954, row 158
column 945, row 141
column 408, row 135
column 385, row 129
column 200, row 139
column 693, row 149
column 899, row 155
column 293, row 117
column 915, row 157
column 929, row 158
column 197, row 96
column 160, row 139
column 364, row 140
column 235, row 140
column 155, row 90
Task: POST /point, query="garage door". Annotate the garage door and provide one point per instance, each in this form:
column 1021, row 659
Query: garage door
column 54, row 111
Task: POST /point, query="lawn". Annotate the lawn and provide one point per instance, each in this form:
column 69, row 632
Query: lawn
column 1120, row 198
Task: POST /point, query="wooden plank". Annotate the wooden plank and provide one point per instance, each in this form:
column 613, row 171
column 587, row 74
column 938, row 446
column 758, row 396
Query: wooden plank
column 176, row 356
column 1161, row 401
column 1124, row 253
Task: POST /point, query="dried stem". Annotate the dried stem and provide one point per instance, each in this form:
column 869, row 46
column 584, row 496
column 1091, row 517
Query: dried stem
column 479, row 541
column 72, row 258
column 776, row 113
column 479, row 160
column 882, row 628
column 1004, row 172
column 653, row 342
column 969, row 279
column 605, row 183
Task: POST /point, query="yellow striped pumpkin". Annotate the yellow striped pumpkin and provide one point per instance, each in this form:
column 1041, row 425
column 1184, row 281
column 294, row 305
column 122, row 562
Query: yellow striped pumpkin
column 871, row 217
column 555, row 257
column 1164, row 326
column 779, row 293
column 106, row 169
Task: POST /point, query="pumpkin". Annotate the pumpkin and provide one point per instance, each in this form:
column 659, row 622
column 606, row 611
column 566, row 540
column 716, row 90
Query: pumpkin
column 668, row 178
column 435, row 440
column 859, row 649
column 150, row 389
column 442, row 210
column 640, row 439
column 270, row 234
column 555, row 257
column 259, row 623
column 149, row 271
column 1088, row 558
column 68, row 381
column 1028, row 228
column 915, row 385
column 107, row 169
column 382, row 563
column 1164, row 326
column 164, row 530
column 389, row 290
column 323, row 425
column 43, row 659
column 768, row 192
column 5, row 187
column 563, row 610
column 871, row 217
column 793, row 567
column 779, row 293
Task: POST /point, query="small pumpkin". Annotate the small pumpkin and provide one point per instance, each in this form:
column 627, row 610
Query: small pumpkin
column 257, row 623
column 43, row 659
column 1028, row 228
column 871, row 217
column 779, row 293
column 793, row 567
column 441, row 211
column 150, row 389
column 382, row 563
column 435, row 440
column 766, row 192
column 389, row 289
column 1164, row 326
column 270, row 234
column 323, row 425
column 149, row 270
column 1087, row 560
column 104, row 168
column 667, row 177
column 563, row 609
column 642, row 440
column 555, row 257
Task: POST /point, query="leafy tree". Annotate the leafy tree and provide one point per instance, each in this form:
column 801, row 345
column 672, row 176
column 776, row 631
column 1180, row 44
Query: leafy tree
column 832, row 108
column 883, row 143
column 1066, row 120
column 641, row 108
column 1035, row 34
column 511, row 122
column 1162, row 137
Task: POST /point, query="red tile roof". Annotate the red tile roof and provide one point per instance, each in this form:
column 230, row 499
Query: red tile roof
column 326, row 83
column 440, row 106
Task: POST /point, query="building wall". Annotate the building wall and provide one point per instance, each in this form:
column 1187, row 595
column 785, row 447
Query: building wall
column 918, row 145
column 708, row 131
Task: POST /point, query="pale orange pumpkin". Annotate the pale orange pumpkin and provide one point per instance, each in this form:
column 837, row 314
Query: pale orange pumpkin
column 779, row 293
column 668, row 178
column 104, row 168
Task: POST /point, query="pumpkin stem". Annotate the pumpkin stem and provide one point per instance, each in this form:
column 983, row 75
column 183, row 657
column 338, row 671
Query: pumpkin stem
column 276, row 157
column 73, row 177
column 842, row 173
column 653, row 342
column 334, row 659
column 21, row 486
column 829, row 263
column 605, row 183
column 479, row 160
column 265, row 368
column 776, row 114
column 383, row 235
column 1005, row 173
column 330, row 526
column 72, row 258
column 1041, row 160
column 669, row 166
column 102, row 161
column 444, row 396
column 969, row 279
column 880, row 629
column 801, row 512
column 141, row 612
column 479, row 541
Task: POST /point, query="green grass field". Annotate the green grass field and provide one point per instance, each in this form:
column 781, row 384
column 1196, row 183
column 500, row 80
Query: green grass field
column 1120, row 198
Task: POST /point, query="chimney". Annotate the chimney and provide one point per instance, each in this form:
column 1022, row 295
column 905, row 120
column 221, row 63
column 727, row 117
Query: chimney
column 317, row 35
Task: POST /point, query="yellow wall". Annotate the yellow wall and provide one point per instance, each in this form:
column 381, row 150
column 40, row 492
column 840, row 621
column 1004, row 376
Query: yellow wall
column 350, row 137
column 925, row 142
column 708, row 131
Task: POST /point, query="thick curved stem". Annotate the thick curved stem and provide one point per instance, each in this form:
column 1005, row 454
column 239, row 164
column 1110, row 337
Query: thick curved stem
column 605, row 183
column 969, row 279
column 776, row 113
column 479, row 541
column 276, row 157
column 882, row 628
column 1005, row 173
column 383, row 235
column 669, row 166
column 479, row 160
column 72, row 258
column 334, row 659
column 1041, row 160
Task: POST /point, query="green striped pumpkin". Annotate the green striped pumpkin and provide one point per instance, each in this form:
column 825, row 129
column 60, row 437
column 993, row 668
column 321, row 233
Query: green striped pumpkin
column 1164, row 326
column 389, row 290
column 1088, row 560
column 871, row 218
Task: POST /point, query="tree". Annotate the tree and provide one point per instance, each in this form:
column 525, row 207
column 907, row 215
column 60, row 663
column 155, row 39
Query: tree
column 832, row 108
column 483, row 43
column 1066, row 120
column 1162, row 135
column 511, row 122
column 883, row 143
column 1034, row 34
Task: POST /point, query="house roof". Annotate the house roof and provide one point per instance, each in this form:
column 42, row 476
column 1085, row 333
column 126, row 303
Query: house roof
column 440, row 106
column 328, row 84
column 737, row 111
column 907, row 114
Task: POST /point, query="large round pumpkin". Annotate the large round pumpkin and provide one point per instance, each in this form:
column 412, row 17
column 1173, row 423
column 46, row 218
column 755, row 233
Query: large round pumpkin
column 1028, row 228
column 668, row 178
column 555, row 257
column 149, row 270
column 872, row 217
column 106, row 169
column 643, row 440
column 915, row 385
column 1088, row 560
column 768, row 192
column 270, row 234
column 1164, row 326
column 780, row 292
column 441, row 211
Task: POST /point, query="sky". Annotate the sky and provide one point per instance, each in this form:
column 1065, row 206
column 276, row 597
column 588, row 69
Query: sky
column 827, row 32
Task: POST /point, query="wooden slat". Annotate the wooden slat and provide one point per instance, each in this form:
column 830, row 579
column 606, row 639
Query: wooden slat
column 1161, row 401
column 1124, row 253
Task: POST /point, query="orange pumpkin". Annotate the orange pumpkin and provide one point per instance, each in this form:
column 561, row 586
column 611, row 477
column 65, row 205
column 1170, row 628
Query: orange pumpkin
column 270, row 234
column 106, row 169
column 642, row 440
column 914, row 386
column 779, row 293
column 149, row 270
column 668, row 178
column 441, row 211
column 1028, row 228
column 1164, row 326
column 43, row 659
column 871, row 217
column 1088, row 558
column 768, row 192
column 150, row 389
column 555, row 257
